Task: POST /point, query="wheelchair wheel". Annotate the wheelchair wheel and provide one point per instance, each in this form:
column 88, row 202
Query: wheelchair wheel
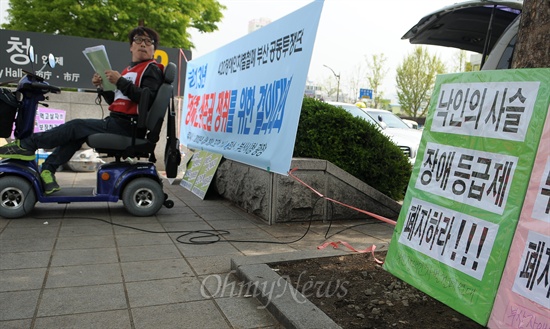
column 17, row 197
column 143, row 197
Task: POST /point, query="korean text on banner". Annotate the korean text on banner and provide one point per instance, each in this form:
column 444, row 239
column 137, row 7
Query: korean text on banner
column 243, row 100
column 468, row 185
column 523, row 298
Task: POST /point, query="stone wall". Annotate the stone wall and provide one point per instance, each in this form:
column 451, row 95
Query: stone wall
column 277, row 198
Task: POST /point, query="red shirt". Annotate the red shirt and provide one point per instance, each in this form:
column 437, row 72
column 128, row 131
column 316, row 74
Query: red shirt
column 134, row 74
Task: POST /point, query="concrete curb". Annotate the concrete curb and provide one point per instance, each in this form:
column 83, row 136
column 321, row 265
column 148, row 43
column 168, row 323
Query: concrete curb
column 284, row 302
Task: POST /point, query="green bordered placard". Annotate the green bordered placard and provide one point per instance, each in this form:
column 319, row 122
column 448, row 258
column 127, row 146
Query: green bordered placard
column 200, row 172
column 468, row 185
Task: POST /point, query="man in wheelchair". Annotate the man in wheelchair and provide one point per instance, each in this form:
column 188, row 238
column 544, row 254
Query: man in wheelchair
column 136, row 87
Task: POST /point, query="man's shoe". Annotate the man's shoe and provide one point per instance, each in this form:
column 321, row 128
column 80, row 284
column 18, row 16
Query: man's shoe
column 14, row 150
column 50, row 185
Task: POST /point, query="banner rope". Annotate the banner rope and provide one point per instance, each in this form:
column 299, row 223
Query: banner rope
column 335, row 244
column 344, row 243
column 381, row 218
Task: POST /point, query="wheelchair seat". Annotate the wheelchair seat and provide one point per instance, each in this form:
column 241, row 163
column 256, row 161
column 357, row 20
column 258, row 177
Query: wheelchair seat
column 119, row 146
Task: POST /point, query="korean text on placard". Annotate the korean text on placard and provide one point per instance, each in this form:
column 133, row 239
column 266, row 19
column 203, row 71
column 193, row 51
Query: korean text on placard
column 493, row 109
column 532, row 280
column 453, row 238
column 520, row 317
column 476, row 178
column 541, row 208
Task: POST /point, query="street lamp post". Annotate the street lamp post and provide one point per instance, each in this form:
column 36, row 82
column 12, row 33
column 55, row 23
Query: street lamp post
column 337, row 80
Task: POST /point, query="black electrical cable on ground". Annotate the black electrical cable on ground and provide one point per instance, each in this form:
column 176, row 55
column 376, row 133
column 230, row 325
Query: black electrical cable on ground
column 215, row 235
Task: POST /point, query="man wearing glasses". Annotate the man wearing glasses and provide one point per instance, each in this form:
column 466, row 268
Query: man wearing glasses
column 143, row 76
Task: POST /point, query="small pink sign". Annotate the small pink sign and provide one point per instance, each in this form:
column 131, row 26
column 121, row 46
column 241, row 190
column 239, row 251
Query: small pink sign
column 48, row 118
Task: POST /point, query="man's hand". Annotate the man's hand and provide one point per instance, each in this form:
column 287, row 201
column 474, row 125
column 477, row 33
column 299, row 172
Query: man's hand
column 96, row 80
column 112, row 76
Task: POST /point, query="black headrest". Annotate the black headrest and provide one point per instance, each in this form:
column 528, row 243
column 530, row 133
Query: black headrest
column 170, row 72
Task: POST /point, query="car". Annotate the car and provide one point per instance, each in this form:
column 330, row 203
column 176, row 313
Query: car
column 356, row 111
column 487, row 27
column 390, row 119
column 406, row 138
column 411, row 123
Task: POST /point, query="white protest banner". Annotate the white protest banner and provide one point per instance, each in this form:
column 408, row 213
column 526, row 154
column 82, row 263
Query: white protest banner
column 244, row 99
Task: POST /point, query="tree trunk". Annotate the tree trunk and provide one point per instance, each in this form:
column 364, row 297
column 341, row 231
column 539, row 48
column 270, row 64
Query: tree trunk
column 533, row 45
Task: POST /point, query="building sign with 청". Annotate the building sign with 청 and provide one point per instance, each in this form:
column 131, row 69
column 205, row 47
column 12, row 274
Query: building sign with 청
column 243, row 100
column 468, row 185
column 72, row 69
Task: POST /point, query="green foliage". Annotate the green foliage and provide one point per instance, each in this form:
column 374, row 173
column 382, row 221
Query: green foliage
column 415, row 81
column 377, row 73
column 331, row 133
column 385, row 104
column 113, row 19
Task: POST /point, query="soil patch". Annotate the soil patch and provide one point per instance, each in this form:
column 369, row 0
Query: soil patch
column 356, row 292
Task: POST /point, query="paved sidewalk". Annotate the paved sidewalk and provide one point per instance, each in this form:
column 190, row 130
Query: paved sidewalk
column 68, row 266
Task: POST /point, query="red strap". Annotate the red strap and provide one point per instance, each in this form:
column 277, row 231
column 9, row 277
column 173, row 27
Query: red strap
column 381, row 218
column 335, row 246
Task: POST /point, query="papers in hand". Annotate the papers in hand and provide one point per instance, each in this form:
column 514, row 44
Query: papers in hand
column 97, row 56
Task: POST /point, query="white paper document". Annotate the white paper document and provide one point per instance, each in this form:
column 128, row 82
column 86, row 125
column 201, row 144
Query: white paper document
column 97, row 56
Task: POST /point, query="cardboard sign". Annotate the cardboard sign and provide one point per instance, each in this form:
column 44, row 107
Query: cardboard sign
column 200, row 172
column 523, row 298
column 468, row 185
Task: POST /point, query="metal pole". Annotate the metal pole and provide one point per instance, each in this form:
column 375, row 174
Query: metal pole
column 337, row 80
column 338, row 88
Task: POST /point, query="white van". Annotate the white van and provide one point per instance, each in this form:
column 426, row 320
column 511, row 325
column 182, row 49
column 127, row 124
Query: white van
column 486, row 27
